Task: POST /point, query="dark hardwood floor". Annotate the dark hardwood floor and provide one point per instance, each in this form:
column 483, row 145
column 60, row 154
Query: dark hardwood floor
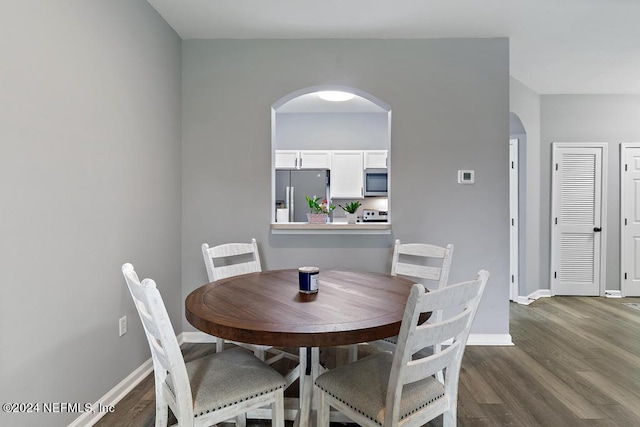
column 576, row 362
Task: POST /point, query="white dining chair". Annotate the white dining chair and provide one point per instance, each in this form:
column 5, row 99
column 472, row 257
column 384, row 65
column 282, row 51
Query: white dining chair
column 208, row 390
column 229, row 260
column 412, row 260
column 233, row 259
column 398, row 389
column 429, row 263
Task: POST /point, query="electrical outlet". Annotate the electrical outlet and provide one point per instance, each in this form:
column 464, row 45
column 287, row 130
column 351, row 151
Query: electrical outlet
column 122, row 325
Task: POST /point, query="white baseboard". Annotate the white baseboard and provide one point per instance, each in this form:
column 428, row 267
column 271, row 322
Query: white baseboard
column 114, row 395
column 544, row 293
column 540, row 293
column 613, row 294
column 490, row 339
column 523, row 300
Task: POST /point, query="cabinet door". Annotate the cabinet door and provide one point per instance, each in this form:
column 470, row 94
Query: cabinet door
column 347, row 175
column 286, row 159
column 375, row 159
column 314, row 159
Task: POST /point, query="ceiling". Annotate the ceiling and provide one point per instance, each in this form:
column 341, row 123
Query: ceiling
column 556, row 46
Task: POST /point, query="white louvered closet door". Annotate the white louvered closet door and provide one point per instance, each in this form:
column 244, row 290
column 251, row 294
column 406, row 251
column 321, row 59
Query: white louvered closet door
column 577, row 219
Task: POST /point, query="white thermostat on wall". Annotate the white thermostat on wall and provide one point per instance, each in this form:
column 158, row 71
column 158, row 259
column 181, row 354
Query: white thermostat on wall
column 466, row 177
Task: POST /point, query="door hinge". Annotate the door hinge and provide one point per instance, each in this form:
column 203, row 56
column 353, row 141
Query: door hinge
column 625, row 167
column 512, row 165
column 625, row 221
column 556, row 166
column 513, row 279
column 513, row 222
column 556, row 220
column 625, row 276
column 555, row 274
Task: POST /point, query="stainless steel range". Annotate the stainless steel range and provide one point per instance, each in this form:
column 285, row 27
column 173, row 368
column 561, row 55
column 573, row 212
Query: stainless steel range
column 369, row 215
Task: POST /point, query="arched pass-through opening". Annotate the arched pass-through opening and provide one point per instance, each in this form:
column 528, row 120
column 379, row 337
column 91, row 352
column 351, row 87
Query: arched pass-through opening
column 315, row 136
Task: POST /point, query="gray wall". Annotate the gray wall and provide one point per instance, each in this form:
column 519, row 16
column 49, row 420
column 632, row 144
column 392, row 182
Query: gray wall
column 228, row 89
column 90, row 179
column 525, row 104
column 588, row 118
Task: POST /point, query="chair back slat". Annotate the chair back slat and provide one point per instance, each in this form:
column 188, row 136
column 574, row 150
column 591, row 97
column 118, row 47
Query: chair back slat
column 230, row 249
column 231, row 259
column 422, row 249
column 415, row 260
column 422, row 368
column 421, row 271
column 428, row 334
column 225, row 271
column 460, row 295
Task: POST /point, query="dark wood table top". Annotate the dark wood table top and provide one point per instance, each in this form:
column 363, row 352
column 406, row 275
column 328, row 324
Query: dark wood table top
column 266, row 308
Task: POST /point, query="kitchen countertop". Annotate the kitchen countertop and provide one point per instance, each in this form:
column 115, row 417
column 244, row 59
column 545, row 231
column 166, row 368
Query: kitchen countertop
column 331, row 228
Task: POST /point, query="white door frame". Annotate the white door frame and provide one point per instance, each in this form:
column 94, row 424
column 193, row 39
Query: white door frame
column 623, row 217
column 514, row 254
column 603, row 209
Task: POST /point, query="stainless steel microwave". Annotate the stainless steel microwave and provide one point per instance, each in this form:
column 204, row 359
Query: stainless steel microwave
column 375, row 182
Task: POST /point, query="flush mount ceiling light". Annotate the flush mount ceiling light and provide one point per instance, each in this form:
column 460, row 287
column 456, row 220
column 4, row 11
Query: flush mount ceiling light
column 335, row 95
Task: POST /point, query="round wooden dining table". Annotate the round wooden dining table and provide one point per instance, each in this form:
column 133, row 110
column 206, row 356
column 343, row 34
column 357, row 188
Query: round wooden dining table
column 267, row 308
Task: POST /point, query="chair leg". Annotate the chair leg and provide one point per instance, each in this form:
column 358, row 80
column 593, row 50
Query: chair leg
column 353, row 353
column 241, row 420
column 260, row 354
column 323, row 411
column 449, row 418
column 277, row 409
column 162, row 413
column 162, row 408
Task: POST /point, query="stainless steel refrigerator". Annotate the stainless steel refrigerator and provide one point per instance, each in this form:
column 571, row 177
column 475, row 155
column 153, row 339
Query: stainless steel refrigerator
column 291, row 189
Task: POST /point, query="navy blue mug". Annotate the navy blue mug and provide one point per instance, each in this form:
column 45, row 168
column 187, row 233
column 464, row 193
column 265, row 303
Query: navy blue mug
column 308, row 279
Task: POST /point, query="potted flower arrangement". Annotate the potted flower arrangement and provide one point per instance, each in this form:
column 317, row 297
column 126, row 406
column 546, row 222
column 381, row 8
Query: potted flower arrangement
column 350, row 209
column 319, row 209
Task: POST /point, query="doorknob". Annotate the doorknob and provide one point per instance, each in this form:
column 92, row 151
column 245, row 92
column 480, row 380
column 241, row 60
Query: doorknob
column 597, row 229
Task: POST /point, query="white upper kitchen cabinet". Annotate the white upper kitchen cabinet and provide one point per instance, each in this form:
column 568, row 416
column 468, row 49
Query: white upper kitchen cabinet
column 315, row 159
column 347, row 176
column 375, row 159
column 303, row 159
column 286, row 159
